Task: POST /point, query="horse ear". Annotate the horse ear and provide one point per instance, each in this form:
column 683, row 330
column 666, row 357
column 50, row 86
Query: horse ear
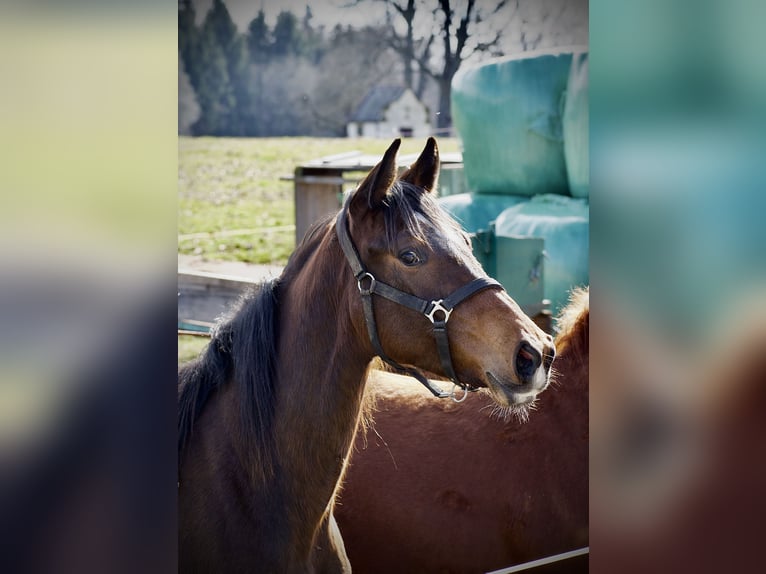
column 425, row 171
column 373, row 189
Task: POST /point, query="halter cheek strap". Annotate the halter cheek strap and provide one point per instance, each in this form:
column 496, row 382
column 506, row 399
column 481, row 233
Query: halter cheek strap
column 437, row 311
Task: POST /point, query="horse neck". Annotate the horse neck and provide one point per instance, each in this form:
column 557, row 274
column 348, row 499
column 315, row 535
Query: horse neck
column 322, row 360
column 568, row 399
column 573, row 346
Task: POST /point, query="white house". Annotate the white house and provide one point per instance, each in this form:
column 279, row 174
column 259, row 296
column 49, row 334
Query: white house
column 389, row 111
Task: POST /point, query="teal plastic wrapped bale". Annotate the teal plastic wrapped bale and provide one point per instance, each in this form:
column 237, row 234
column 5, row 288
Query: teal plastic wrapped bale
column 517, row 262
column 563, row 223
column 507, row 113
column 475, row 211
column 520, row 267
column 575, row 127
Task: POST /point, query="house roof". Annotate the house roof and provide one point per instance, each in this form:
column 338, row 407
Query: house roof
column 376, row 102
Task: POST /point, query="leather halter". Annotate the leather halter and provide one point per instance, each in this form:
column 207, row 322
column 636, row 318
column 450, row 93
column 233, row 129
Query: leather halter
column 437, row 311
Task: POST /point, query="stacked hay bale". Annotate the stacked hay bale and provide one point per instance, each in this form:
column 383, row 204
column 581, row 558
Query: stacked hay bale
column 523, row 124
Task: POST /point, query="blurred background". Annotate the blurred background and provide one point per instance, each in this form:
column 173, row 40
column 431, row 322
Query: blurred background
column 94, row 96
column 677, row 269
column 87, row 286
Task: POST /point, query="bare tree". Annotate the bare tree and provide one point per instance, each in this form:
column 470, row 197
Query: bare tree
column 404, row 45
column 455, row 32
column 353, row 53
column 434, row 37
column 432, row 40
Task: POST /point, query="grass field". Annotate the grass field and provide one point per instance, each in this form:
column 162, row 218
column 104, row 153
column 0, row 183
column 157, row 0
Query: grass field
column 189, row 347
column 229, row 184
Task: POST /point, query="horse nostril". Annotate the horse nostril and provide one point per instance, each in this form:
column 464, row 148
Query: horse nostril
column 528, row 359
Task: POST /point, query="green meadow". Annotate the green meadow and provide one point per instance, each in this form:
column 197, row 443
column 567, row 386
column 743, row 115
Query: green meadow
column 234, row 201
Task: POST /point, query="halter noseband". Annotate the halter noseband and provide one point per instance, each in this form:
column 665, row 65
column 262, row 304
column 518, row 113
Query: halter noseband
column 437, row 311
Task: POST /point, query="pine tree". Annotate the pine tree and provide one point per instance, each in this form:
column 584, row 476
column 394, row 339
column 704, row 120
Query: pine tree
column 216, row 61
column 188, row 38
column 214, row 92
column 259, row 39
column 313, row 49
column 287, row 35
column 187, row 29
column 219, row 24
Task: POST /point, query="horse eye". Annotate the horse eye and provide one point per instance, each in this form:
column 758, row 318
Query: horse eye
column 409, row 258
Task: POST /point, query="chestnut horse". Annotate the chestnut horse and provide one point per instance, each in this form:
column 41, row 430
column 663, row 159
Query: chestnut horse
column 437, row 488
column 268, row 414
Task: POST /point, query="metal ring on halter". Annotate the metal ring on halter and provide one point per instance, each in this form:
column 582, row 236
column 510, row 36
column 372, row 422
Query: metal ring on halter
column 359, row 283
column 452, row 393
column 437, row 306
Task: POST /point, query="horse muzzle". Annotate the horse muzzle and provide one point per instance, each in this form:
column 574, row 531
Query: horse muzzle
column 531, row 376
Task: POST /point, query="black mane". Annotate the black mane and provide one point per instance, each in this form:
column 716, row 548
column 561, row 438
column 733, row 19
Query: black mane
column 242, row 350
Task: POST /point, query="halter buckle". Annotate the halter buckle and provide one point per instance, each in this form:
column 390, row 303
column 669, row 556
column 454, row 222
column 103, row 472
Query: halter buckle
column 437, row 306
column 361, row 278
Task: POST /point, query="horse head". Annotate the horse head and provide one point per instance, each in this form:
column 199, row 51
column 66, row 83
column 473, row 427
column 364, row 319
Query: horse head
column 417, row 266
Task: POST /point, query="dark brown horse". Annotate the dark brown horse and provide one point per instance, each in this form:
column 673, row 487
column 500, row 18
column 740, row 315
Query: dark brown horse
column 268, row 414
column 439, row 487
